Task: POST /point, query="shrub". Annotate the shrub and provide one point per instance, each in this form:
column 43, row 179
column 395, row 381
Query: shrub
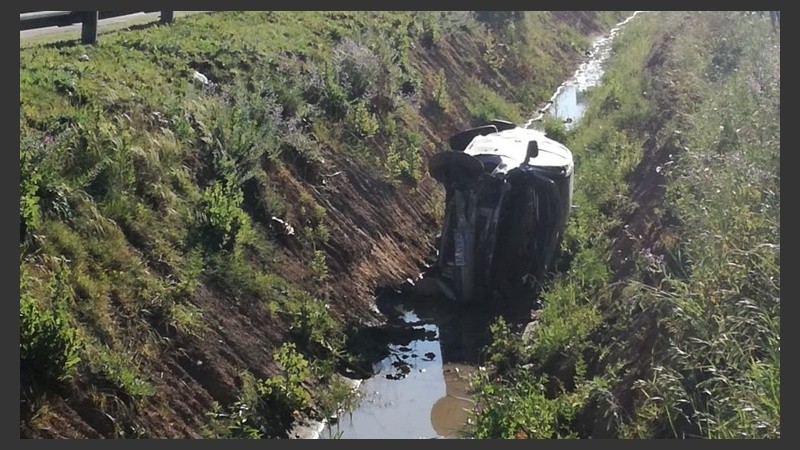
column 485, row 104
column 120, row 370
column 555, row 129
column 431, row 30
column 224, row 224
column 355, row 67
column 265, row 408
column 30, row 177
column 499, row 20
column 312, row 327
column 319, row 266
column 363, row 123
column 404, row 159
column 440, row 97
column 48, row 343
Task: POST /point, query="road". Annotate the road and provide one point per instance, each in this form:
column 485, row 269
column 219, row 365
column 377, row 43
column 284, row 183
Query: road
column 70, row 32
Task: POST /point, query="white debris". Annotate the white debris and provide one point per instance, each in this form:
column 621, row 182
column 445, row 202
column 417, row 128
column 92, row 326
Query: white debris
column 286, row 228
column 200, row 77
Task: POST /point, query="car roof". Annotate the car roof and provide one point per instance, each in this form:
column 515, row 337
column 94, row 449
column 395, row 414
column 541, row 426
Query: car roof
column 512, row 145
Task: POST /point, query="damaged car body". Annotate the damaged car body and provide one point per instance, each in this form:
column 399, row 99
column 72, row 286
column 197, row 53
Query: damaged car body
column 508, row 193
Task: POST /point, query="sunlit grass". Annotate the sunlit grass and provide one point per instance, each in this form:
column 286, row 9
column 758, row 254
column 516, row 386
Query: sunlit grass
column 710, row 326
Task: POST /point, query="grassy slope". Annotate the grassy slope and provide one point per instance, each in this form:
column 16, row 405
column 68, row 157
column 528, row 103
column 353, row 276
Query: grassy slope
column 158, row 287
column 666, row 320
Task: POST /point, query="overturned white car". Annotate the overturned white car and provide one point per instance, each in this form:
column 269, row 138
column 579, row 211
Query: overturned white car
column 508, row 197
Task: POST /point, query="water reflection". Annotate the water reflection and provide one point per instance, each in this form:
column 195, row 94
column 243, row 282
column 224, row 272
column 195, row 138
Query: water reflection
column 568, row 103
column 421, row 388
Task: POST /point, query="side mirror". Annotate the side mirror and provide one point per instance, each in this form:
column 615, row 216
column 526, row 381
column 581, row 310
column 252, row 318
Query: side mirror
column 533, row 151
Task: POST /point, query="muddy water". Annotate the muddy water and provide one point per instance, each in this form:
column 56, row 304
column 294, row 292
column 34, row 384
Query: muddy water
column 420, row 389
column 569, row 102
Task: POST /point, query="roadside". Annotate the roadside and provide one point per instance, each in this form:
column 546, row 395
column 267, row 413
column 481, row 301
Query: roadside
column 47, row 35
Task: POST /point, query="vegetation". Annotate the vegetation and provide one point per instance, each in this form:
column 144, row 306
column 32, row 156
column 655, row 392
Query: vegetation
column 175, row 212
column 665, row 321
column 265, row 408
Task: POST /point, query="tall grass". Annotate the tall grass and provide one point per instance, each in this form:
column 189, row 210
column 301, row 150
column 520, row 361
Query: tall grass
column 688, row 343
column 725, row 189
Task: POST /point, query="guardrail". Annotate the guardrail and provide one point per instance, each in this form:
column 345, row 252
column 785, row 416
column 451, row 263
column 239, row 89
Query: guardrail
column 87, row 19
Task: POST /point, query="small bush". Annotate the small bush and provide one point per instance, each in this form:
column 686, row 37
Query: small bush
column 30, row 178
column 120, row 370
column 404, row 160
column 485, row 104
column 265, row 408
column 287, row 389
column 499, row 20
column 319, row 267
column 555, row 129
column 431, row 30
column 356, row 69
column 48, row 343
column 440, row 97
column 363, row 123
column 313, row 327
column 507, row 349
column 224, row 224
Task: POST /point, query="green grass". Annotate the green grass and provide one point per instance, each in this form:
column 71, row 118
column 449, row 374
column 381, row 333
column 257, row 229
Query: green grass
column 697, row 322
column 485, row 104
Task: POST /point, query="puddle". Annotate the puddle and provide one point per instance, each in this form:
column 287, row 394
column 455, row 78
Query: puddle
column 413, row 394
column 568, row 102
column 420, row 389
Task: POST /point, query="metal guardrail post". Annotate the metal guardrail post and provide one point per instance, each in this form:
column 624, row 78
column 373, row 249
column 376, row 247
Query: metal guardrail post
column 88, row 20
column 89, row 27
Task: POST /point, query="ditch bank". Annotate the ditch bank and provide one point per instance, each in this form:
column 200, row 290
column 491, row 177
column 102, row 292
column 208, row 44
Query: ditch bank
column 379, row 230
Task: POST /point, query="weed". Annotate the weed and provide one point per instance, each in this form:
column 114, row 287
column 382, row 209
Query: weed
column 440, row 97
column 49, row 344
